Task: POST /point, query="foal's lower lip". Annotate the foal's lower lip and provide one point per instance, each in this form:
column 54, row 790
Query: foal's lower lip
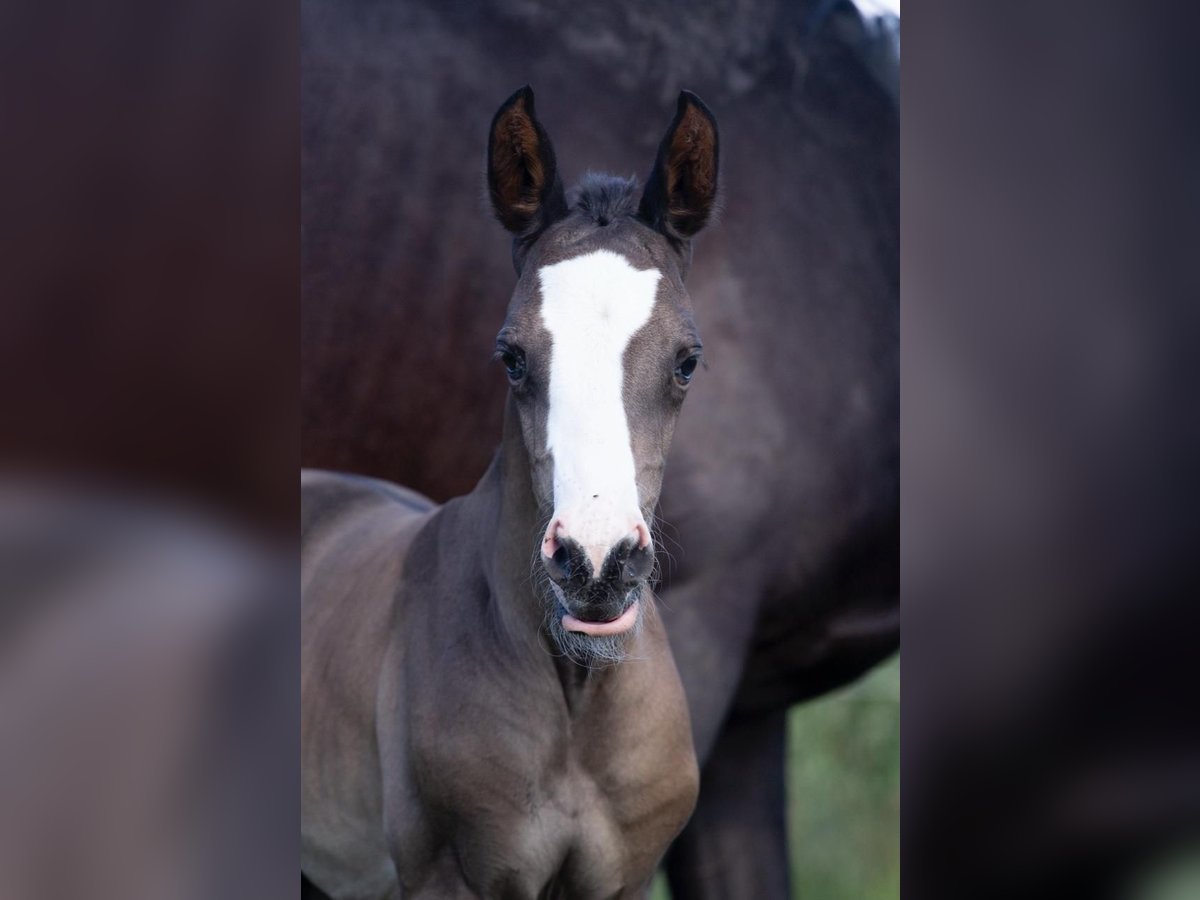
column 619, row 625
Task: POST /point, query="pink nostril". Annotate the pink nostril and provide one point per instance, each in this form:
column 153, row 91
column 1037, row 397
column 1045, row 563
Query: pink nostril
column 643, row 535
column 550, row 540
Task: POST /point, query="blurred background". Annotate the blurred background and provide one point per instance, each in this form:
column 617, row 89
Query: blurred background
column 151, row 262
column 844, row 790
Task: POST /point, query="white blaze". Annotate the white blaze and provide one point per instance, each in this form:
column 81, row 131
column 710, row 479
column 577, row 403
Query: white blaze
column 592, row 306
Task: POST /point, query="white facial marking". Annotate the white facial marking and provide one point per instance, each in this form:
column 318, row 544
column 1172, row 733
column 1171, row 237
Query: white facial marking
column 592, row 306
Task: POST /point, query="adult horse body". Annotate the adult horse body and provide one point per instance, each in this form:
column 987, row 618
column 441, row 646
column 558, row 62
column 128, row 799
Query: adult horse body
column 469, row 730
column 782, row 485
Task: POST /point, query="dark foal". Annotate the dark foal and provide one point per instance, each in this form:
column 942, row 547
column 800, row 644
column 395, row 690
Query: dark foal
column 490, row 704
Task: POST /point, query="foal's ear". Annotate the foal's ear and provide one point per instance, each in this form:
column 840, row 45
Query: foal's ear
column 681, row 191
column 522, row 176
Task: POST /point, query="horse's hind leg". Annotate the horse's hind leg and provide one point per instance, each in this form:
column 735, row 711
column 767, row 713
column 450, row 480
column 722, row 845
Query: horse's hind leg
column 735, row 845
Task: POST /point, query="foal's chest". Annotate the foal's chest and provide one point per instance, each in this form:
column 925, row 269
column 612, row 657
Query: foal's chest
column 583, row 836
column 556, row 821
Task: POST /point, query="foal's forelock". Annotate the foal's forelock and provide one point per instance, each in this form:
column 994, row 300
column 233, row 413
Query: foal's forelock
column 592, row 306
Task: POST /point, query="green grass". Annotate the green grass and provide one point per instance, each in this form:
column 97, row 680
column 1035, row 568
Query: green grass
column 844, row 793
column 1173, row 876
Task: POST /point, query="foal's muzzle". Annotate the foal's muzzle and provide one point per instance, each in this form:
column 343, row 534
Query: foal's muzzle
column 600, row 597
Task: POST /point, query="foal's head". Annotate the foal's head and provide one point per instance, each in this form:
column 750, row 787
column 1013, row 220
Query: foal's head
column 599, row 347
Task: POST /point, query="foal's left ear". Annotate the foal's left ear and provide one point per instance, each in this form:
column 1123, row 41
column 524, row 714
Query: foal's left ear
column 681, row 191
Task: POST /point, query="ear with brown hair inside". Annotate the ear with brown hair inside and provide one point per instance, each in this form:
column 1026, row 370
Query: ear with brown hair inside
column 523, row 182
column 681, row 192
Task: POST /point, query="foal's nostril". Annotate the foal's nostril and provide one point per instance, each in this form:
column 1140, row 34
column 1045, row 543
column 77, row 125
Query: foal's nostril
column 641, row 563
column 633, row 562
column 568, row 562
column 562, row 559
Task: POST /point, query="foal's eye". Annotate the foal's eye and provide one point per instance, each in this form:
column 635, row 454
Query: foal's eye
column 686, row 369
column 514, row 362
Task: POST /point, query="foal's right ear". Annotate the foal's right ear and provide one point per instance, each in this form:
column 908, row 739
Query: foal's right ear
column 522, row 175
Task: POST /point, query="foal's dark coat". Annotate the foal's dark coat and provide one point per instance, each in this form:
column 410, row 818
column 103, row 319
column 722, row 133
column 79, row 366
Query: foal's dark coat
column 447, row 750
column 781, row 493
column 439, row 733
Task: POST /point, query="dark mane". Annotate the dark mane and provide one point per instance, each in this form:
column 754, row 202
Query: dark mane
column 605, row 197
